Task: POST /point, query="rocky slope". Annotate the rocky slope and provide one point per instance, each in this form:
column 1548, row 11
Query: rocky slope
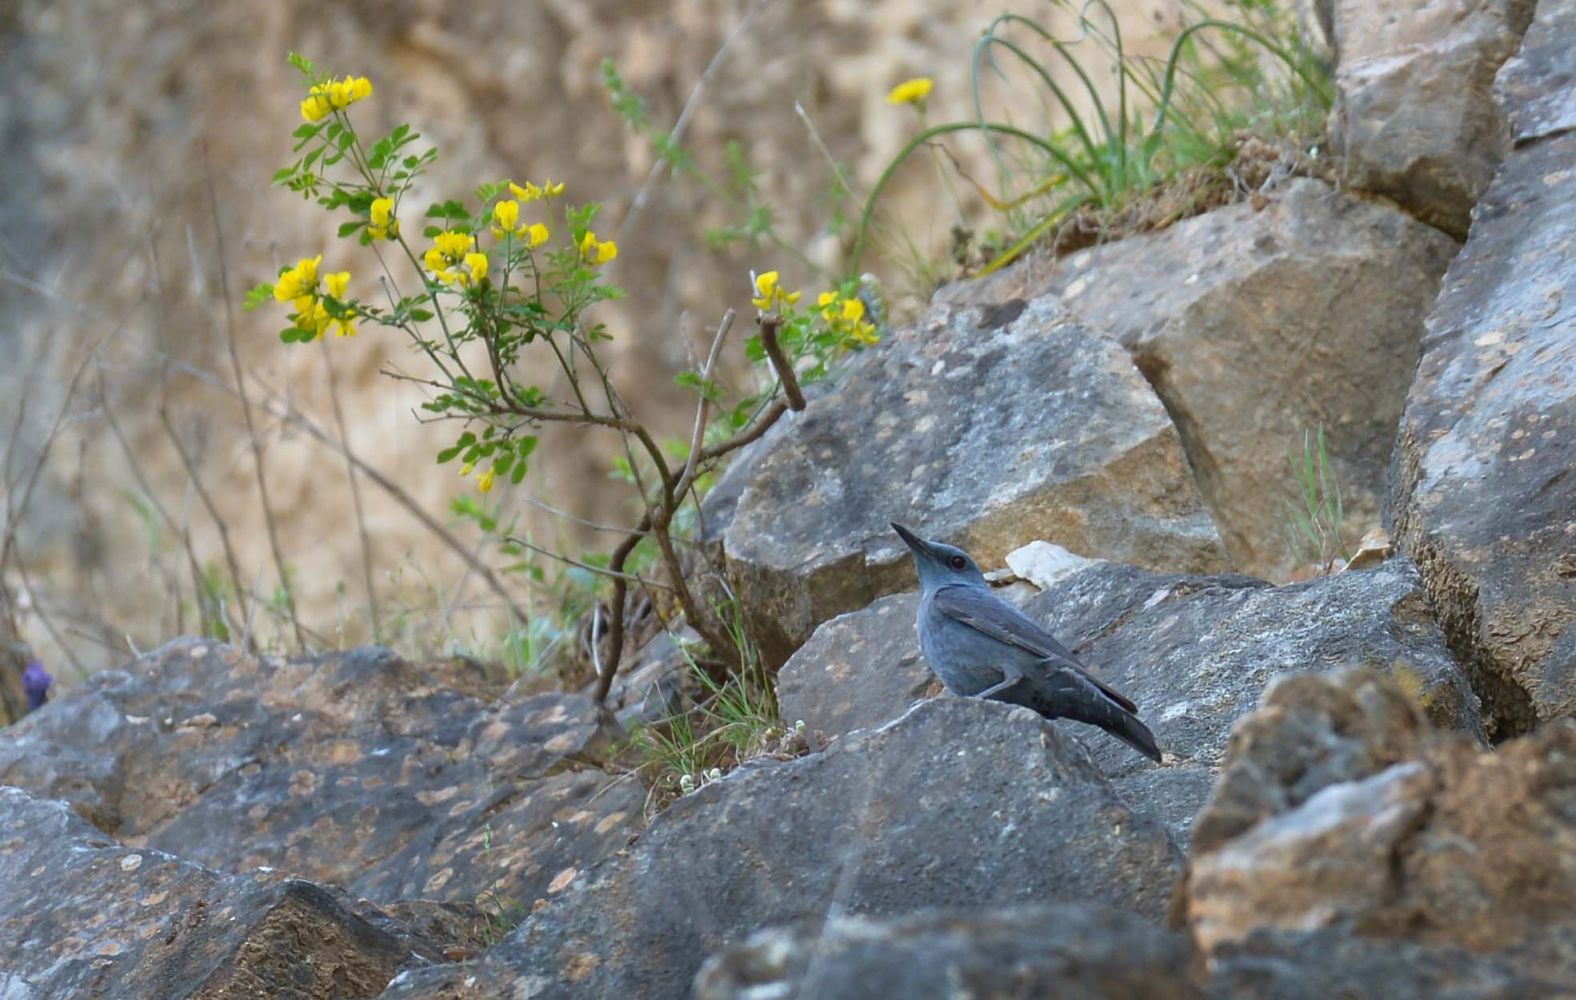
column 1369, row 782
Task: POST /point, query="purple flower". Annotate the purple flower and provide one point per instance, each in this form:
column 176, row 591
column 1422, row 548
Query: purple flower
column 36, row 682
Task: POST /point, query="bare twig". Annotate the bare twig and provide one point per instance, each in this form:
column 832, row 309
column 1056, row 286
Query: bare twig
column 769, row 324
column 702, row 408
column 255, row 439
column 676, row 134
column 213, row 514
column 604, row 681
column 599, row 570
column 355, row 492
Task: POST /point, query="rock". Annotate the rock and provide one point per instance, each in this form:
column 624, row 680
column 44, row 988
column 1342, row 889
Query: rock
column 1061, row 951
column 984, row 426
column 1451, row 847
column 1415, row 117
column 1537, row 86
column 1484, row 489
column 1195, row 653
column 81, row 915
column 1043, row 564
column 959, row 803
column 1255, row 326
column 359, row 769
column 1318, row 964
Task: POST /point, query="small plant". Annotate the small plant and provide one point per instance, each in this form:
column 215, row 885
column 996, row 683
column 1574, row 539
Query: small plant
column 506, row 282
column 1246, row 72
column 735, row 720
column 1315, row 518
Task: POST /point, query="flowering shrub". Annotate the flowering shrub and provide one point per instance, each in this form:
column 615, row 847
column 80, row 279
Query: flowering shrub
column 512, row 273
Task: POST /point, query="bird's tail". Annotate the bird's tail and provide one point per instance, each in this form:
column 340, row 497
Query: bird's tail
column 1135, row 734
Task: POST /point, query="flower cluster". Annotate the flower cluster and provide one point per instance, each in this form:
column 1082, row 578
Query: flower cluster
column 305, row 291
column 911, row 91
column 506, row 222
column 845, row 317
column 334, row 95
column 597, row 251
column 769, row 296
column 454, row 260
column 531, row 192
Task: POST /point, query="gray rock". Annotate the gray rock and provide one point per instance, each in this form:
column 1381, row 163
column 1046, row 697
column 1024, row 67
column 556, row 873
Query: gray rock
column 81, row 915
column 985, row 426
column 959, row 803
column 1537, row 86
column 1067, row 951
column 359, row 769
column 1195, row 653
column 1452, row 846
column 1319, row 964
column 1255, row 326
column 1484, row 488
column 1415, row 117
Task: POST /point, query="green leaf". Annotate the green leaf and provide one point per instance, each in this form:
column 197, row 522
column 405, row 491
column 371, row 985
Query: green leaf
column 420, row 315
column 346, row 228
column 257, row 295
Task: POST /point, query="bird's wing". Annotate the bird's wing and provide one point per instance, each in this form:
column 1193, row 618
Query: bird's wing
column 991, row 616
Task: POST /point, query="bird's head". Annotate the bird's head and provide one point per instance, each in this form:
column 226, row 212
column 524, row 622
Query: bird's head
column 940, row 564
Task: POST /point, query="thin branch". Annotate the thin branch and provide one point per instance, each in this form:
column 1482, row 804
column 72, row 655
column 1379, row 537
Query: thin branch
column 219, row 524
column 355, row 492
column 246, row 409
column 615, row 653
column 769, row 324
column 702, row 408
column 599, row 570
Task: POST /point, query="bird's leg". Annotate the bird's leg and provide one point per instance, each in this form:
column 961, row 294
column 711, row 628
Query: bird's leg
column 1010, row 677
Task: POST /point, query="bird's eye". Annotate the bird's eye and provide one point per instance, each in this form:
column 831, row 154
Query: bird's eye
column 958, row 562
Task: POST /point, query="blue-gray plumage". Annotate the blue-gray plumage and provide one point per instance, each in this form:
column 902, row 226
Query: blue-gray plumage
column 981, row 646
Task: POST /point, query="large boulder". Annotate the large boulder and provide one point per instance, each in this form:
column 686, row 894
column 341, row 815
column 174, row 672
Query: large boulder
column 1195, row 653
column 1340, row 808
column 959, row 803
column 1072, row 952
column 1415, row 117
column 1484, row 490
column 359, row 769
column 1256, row 325
column 987, row 426
column 81, row 916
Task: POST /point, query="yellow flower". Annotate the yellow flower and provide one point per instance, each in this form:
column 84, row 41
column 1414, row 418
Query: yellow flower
column 506, row 219
column 334, row 95
column 476, row 264
column 299, row 281
column 337, row 283
column 316, row 107
column 345, row 326
column 383, row 225
column 597, row 251
column 536, row 235
column 853, row 310
column 465, row 470
column 485, row 481
column 451, row 250
column 769, row 295
column 911, row 91
column 315, row 319
column 532, row 192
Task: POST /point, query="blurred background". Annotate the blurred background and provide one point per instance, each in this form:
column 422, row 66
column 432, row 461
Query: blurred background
column 136, row 208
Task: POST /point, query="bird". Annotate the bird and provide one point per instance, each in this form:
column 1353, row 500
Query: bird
column 982, row 647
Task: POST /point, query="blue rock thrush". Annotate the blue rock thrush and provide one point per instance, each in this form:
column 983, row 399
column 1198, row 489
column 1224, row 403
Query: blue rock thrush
column 981, row 646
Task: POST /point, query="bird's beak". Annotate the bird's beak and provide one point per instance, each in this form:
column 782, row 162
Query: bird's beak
column 914, row 541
